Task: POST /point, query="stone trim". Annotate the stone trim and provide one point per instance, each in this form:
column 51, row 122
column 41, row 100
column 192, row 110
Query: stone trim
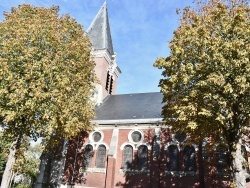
column 130, row 136
column 114, row 143
column 95, row 145
column 91, row 136
column 181, row 173
column 128, row 143
column 102, row 143
column 134, row 172
column 96, row 170
column 144, row 144
column 126, row 121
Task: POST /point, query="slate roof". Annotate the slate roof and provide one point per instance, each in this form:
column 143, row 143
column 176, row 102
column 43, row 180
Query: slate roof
column 99, row 31
column 130, row 106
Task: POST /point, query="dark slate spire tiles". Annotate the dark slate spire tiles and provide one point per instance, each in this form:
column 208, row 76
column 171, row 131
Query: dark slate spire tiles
column 99, row 31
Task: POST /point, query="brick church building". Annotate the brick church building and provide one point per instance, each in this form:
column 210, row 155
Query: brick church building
column 130, row 145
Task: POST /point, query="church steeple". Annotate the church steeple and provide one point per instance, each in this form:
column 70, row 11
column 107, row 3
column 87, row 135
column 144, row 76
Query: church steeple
column 99, row 31
column 107, row 70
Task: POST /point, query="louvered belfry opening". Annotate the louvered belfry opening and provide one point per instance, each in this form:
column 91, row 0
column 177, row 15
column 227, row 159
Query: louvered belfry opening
column 111, row 85
column 107, row 81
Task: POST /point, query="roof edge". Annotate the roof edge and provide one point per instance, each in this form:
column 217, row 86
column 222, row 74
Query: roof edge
column 123, row 121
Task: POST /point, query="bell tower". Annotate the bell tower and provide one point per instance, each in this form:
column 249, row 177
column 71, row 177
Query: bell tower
column 106, row 69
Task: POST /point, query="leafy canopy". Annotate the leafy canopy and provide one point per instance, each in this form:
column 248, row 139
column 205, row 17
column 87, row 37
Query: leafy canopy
column 206, row 82
column 27, row 164
column 46, row 74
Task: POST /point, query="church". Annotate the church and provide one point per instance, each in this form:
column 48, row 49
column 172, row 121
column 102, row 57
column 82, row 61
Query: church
column 130, row 145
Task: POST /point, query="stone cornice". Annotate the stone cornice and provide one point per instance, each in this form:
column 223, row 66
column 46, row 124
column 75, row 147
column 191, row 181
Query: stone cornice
column 110, row 59
column 102, row 53
column 128, row 121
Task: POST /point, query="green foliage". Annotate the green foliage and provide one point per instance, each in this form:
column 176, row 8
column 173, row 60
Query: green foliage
column 23, row 185
column 46, row 74
column 27, row 163
column 206, row 83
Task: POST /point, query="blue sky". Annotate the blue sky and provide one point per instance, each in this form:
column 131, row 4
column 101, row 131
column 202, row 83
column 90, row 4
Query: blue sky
column 140, row 29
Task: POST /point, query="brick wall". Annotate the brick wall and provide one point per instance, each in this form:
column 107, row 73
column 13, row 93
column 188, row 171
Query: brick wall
column 156, row 174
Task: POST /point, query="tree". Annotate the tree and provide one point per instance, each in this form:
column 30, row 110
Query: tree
column 4, row 146
column 206, row 82
column 27, row 164
column 47, row 74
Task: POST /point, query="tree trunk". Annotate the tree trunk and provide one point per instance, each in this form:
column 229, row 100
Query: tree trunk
column 238, row 170
column 9, row 166
column 8, row 171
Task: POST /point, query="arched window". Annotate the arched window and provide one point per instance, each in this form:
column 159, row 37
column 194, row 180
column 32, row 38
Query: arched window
column 101, row 157
column 127, row 157
column 173, row 158
column 142, row 157
column 87, row 156
column 189, row 158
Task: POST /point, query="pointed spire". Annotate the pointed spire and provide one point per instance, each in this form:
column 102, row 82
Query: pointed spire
column 99, row 31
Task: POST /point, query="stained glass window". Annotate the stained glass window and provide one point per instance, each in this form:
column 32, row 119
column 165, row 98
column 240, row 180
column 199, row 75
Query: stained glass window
column 101, row 157
column 87, row 156
column 142, row 157
column 127, row 157
column 189, row 158
column 173, row 158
